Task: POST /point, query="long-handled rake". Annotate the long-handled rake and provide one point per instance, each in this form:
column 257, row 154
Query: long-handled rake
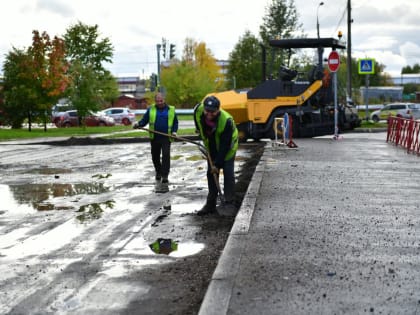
column 203, row 150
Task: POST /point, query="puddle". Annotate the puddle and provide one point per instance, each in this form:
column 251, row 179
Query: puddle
column 164, row 246
column 30, row 197
column 101, row 176
column 172, row 248
column 93, row 211
column 47, row 171
column 195, row 158
column 187, row 249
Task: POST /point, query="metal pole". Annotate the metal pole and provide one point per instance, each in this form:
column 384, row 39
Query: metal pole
column 317, row 20
column 158, row 66
column 367, row 97
column 335, row 106
column 320, row 49
column 349, row 21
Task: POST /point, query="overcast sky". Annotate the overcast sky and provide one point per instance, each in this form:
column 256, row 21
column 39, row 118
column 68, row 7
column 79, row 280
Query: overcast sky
column 386, row 30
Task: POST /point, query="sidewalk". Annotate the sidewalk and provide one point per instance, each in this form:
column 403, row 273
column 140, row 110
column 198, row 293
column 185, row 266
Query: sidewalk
column 331, row 227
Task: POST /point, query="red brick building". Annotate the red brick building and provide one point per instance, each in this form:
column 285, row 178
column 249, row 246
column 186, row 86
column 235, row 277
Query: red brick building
column 131, row 102
column 132, row 90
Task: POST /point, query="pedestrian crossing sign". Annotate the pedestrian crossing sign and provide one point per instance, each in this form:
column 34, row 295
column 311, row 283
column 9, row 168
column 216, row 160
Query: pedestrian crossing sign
column 367, row 66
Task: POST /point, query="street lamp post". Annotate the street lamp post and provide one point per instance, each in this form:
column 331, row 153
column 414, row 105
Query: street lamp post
column 317, row 19
column 349, row 74
column 320, row 49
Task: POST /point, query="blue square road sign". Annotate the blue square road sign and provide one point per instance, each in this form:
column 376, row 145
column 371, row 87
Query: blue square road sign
column 367, row 66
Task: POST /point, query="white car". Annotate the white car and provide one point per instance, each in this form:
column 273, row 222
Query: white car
column 121, row 115
column 404, row 110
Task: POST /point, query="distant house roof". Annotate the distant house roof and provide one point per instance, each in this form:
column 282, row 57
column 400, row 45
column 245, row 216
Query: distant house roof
column 127, row 96
column 383, row 92
column 128, row 79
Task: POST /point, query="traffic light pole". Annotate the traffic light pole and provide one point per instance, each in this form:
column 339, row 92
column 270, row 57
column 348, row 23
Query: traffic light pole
column 158, row 66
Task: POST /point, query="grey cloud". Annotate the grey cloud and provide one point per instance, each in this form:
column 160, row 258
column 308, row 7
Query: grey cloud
column 57, row 7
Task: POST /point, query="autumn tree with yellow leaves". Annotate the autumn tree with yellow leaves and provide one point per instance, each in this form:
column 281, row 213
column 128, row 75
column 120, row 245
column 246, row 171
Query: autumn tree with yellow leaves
column 187, row 81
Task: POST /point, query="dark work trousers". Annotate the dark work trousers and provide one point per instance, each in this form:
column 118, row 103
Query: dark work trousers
column 161, row 155
column 228, row 182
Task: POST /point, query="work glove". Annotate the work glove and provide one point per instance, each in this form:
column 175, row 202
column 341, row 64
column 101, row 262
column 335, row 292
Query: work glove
column 174, row 134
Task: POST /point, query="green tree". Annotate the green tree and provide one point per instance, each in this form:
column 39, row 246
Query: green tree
column 35, row 79
column 245, row 61
column 187, row 81
column 408, row 69
column 92, row 85
column 83, row 44
column 280, row 22
column 17, row 87
column 410, row 88
column 245, row 69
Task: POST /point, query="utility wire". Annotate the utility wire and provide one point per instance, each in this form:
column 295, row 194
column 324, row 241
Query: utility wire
column 341, row 19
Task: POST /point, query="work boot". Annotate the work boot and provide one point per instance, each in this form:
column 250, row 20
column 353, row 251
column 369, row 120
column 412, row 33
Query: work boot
column 208, row 208
column 228, row 209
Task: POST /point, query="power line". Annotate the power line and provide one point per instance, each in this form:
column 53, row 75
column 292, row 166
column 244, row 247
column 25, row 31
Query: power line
column 341, row 20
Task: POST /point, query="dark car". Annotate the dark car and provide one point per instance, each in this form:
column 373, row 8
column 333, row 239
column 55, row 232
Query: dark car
column 70, row 118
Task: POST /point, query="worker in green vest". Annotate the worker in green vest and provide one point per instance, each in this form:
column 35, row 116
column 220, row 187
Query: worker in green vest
column 218, row 131
column 162, row 118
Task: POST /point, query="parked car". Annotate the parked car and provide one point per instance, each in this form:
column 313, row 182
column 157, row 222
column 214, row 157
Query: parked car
column 70, row 118
column 404, row 110
column 58, row 110
column 121, row 115
column 415, row 111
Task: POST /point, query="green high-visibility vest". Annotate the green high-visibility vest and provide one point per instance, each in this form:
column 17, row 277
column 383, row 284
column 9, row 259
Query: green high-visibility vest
column 221, row 124
column 152, row 119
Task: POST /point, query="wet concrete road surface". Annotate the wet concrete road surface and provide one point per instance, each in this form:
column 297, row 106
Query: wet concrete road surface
column 79, row 226
column 332, row 227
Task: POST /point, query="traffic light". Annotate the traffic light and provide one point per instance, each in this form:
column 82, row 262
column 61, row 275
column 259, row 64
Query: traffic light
column 153, row 82
column 164, row 50
column 171, row 51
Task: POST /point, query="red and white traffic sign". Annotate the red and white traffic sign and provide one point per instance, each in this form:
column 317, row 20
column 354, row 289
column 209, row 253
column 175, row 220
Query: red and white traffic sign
column 333, row 61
